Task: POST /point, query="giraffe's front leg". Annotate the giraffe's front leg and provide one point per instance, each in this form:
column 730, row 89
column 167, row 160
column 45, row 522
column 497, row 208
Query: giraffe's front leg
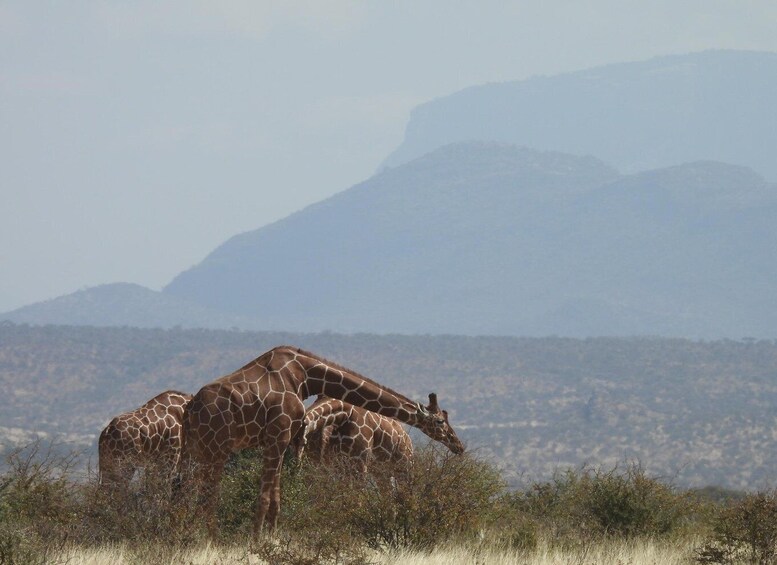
column 269, row 498
column 271, row 474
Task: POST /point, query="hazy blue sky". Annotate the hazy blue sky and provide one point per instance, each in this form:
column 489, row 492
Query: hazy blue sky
column 137, row 136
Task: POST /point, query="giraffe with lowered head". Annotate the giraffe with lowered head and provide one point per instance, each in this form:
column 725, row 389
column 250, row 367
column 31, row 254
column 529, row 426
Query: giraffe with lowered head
column 149, row 434
column 334, row 426
column 261, row 405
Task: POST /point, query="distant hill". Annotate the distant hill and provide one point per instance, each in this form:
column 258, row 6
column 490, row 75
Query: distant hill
column 715, row 105
column 486, row 238
column 491, row 237
column 698, row 412
column 683, row 251
column 123, row 304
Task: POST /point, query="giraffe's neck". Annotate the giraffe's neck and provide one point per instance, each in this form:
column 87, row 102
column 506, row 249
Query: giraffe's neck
column 339, row 383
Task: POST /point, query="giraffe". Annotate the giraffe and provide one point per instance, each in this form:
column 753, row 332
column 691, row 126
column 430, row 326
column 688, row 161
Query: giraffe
column 336, row 426
column 261, row 404
column 134, row 439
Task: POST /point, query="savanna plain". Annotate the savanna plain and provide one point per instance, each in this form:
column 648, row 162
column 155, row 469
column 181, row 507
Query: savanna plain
column 525, row 404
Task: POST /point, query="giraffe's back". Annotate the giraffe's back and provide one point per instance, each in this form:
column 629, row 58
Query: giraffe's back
column 390, row 440
column 248, row 408
column 160, row 422
column 361, row 434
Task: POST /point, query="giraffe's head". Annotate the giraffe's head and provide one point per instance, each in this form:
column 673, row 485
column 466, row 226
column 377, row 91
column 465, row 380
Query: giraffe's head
column 434, row 423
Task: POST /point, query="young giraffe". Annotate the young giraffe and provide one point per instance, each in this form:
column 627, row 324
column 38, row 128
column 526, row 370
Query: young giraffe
column 336, row 426
column 149, row 434
column 261, row 404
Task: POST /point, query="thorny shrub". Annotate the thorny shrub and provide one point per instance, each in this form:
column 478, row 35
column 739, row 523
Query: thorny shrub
column 338, row 509
column 36, row 503
column 591, row 503
column 332, row 513
column 743, row 532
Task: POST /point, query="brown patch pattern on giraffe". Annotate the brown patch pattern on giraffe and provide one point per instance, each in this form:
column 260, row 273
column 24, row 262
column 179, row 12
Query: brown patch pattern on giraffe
column 261, row 405
column 333, row 426
column 149, row 434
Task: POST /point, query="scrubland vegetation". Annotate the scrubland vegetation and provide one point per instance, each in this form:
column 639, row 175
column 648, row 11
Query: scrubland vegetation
column 696, row 412
column 449, row 509
column 700, row 412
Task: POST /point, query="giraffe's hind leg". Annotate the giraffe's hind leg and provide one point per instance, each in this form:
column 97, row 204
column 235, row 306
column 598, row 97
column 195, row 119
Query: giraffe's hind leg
column 117, row 474
column 275, row 504
column 207, row 483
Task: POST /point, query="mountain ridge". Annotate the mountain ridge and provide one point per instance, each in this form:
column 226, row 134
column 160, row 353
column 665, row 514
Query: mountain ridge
column 516, row 238
column 636, row 116
column 121, row 304
column 377, row 222
column 487, row 238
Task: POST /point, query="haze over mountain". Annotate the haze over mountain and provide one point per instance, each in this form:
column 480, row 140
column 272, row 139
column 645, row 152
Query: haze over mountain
column 715, row 105
column 415, row 249
column 485, row 238
column 123, row 304
column 488, row 237
column 481, row 238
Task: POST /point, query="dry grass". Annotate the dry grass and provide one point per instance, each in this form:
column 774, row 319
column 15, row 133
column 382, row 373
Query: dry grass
column 614, row 552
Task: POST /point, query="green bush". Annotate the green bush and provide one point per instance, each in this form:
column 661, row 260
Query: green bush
column 240, row 491
column 745, row 531
column 149, row 510
column 312, row 528
column 333, row 513
column 445, row 496
column 632, row 504
column 590, row 503
column 43, row 507
column 36, row 503
column 337, row 510
column 240, row 488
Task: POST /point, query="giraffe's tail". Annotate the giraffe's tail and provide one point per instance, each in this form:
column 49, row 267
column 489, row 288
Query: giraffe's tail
column 106, row 458
column 182, row 470
column 102, row 457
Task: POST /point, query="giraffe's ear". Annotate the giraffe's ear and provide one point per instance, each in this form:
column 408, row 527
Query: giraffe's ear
column 433, row 402
column 421, row 409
